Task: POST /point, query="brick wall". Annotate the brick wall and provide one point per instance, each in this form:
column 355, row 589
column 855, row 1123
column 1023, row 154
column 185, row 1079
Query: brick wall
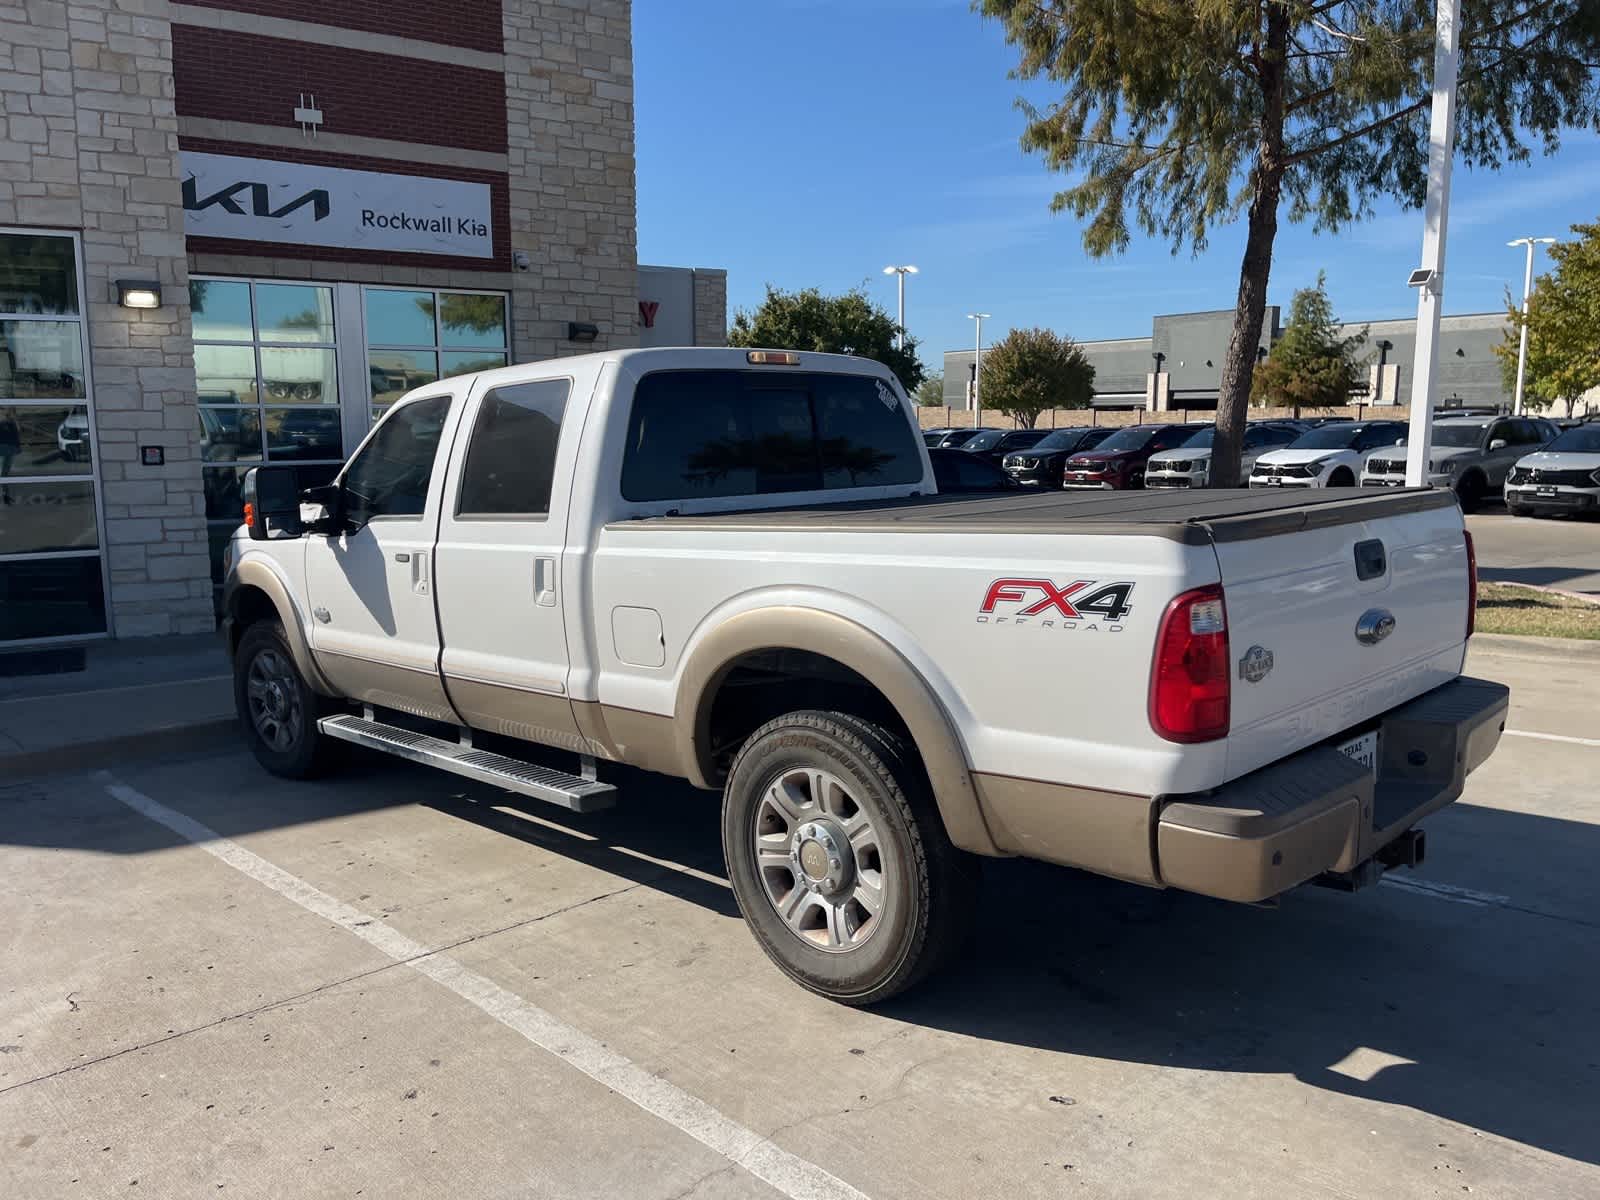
column 232, row 76
column 474, row 24
column 89, row 142
column 569, row 108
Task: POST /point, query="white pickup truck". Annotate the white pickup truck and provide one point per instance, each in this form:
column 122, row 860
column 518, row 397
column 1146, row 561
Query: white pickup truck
column 732, row 566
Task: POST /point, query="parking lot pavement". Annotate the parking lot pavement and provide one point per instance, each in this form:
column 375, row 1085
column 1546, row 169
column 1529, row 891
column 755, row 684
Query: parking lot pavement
column 388, row 983
column 1549, row 552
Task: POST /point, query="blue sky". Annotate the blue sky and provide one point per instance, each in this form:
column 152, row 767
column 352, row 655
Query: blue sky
column 812, row 142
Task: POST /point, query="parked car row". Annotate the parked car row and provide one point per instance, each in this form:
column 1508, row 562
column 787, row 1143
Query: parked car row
column 1473, row 454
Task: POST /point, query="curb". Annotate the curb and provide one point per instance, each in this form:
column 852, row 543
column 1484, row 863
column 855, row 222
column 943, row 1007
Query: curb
column 116, row 751
column 1566, row 649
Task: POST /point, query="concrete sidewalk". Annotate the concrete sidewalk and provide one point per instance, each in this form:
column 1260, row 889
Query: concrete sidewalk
column 131, row 699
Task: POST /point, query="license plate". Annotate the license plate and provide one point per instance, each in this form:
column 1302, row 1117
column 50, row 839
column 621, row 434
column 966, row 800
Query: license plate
column 1274, row 481
column 1548, row 493
column 1363, row 749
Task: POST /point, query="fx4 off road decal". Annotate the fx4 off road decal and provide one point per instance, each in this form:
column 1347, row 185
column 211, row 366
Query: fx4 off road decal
column 1084, row 604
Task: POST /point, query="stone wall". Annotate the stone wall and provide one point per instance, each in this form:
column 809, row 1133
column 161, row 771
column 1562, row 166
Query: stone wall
column 710, row 307
column 569, row 108
column 88, row 142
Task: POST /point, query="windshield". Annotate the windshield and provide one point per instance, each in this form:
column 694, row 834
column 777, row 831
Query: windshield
column 1329, row 437
column 1132, row 438
column 1457, row 435
column 1201, row 440
column 1578, row 441
column 984, row 441
column 1061, row 439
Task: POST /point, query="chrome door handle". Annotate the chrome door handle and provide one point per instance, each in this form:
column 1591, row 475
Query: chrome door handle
column 544, row 582
column 419, row 574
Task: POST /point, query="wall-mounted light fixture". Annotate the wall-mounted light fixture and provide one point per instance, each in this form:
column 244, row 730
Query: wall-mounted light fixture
column 1460, row 353
column 582, row 331
column 138, row 293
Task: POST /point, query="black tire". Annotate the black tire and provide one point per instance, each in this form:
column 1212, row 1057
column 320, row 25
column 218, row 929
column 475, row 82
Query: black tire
column 929, row 887
column 280, row 725
column 1342, row 477
column 1470, row 489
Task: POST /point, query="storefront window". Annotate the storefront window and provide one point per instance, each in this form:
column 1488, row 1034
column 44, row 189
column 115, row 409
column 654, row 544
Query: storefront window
column 266, row 372
column 51, row 576
column 415, row 337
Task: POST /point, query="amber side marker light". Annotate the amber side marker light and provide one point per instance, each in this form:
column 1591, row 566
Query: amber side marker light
column 773, row 358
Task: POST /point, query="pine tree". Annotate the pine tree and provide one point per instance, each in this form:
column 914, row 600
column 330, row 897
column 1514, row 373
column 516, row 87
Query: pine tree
column 1311, row 366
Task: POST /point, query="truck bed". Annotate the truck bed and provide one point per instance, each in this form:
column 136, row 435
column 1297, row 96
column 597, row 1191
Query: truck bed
column 1197, row 517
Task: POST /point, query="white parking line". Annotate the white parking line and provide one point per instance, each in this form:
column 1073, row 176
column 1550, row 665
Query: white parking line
column 1446, row 891
column 788, row 1173
column 1554, row 737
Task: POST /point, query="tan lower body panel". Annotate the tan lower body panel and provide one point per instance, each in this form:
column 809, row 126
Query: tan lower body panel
column 1106, row 832
column 419, row 693
column 641, row 739
column 1252, row 869
column 516, row 712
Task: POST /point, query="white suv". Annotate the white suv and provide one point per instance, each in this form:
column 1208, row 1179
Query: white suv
column 1328, row 456
column 1189, row 466
column 1563, row 477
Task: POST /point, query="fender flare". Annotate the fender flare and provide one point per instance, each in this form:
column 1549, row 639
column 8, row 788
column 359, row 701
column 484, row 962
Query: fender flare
column 254, row 573
column 789, row 627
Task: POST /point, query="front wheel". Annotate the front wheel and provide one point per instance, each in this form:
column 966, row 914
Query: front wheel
column 839, row 860
column 1470, row 491
column 277, row 708
column 1342, row 477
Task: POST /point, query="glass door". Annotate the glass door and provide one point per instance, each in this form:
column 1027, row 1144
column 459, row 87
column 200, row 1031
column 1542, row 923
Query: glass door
column 52, row 577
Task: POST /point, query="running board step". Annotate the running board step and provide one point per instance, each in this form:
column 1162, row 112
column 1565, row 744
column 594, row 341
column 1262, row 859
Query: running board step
column 514, row 775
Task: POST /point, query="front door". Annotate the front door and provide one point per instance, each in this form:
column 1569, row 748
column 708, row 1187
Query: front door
column 373, row 626
column 502, row 590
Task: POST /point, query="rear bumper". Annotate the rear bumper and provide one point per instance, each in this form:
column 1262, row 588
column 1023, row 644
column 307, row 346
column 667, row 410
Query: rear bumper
column 1318, row 812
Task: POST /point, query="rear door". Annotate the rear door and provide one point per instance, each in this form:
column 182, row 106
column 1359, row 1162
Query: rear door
column 1331, row 625
column 501, row 593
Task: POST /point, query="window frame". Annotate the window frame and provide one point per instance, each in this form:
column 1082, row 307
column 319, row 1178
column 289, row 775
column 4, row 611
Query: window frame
column 92, row 474
column 459, row 514
column 438, row 349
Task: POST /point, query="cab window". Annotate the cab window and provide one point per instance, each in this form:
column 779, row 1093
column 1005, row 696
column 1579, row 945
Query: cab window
column 389, row 476
column 511, row 459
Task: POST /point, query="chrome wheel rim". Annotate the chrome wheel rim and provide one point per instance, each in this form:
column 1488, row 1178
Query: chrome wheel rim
column 274, row 696
column 822, row 862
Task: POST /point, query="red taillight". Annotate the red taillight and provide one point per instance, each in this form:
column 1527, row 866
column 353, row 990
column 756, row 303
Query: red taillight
column 249, row 515
column 1472, row 583
column 1189, row 682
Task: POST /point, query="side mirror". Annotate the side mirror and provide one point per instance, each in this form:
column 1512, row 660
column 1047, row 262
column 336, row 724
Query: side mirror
column 1497, row 444
column 272, row 502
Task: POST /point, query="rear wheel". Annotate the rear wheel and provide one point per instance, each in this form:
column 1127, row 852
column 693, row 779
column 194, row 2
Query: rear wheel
column 277, row 708
column 839, row 860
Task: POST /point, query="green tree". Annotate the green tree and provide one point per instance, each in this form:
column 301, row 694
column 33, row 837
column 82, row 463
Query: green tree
column 1178, row 114
column 1311, row 366
column 847, row 324
column 1563, row 327
column 1034, row 370
column 930, row 392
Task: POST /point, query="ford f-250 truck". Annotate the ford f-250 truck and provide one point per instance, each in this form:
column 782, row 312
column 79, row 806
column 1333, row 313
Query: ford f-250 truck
column 732, row 566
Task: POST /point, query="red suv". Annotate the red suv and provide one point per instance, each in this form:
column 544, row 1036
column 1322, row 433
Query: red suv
column 1119, row 461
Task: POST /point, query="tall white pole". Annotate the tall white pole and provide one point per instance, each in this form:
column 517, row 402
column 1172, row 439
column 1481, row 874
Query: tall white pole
column 1430, row 296
column 977, row 372
column 1527, row 294
column 901, row 340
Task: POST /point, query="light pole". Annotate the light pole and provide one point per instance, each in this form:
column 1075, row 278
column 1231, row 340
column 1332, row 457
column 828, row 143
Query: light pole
column 1527, row 290
column 977, row 371
column 902, row 272
column 1428, row 278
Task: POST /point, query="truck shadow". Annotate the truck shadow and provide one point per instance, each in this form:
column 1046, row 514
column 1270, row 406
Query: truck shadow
column 1481, row 1012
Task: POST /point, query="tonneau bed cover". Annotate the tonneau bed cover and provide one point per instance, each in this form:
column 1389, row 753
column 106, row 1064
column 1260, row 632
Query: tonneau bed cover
column 1195, row 516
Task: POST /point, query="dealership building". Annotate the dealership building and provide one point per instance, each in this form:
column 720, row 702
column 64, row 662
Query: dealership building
column 1178, row 365
column 234, row 232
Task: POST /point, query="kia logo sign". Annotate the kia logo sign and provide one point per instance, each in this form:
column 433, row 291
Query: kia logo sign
column 260, row 206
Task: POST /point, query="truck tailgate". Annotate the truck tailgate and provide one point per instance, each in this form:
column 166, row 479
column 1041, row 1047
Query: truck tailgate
column 1334, row 621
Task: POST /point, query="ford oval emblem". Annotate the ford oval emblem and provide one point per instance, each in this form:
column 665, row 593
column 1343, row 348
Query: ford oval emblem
column 1375, row 625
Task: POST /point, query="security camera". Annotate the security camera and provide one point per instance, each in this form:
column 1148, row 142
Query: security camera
column 1421, row 277
column 520, row 260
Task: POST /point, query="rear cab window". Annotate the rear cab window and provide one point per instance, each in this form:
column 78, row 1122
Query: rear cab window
column 708, row 434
